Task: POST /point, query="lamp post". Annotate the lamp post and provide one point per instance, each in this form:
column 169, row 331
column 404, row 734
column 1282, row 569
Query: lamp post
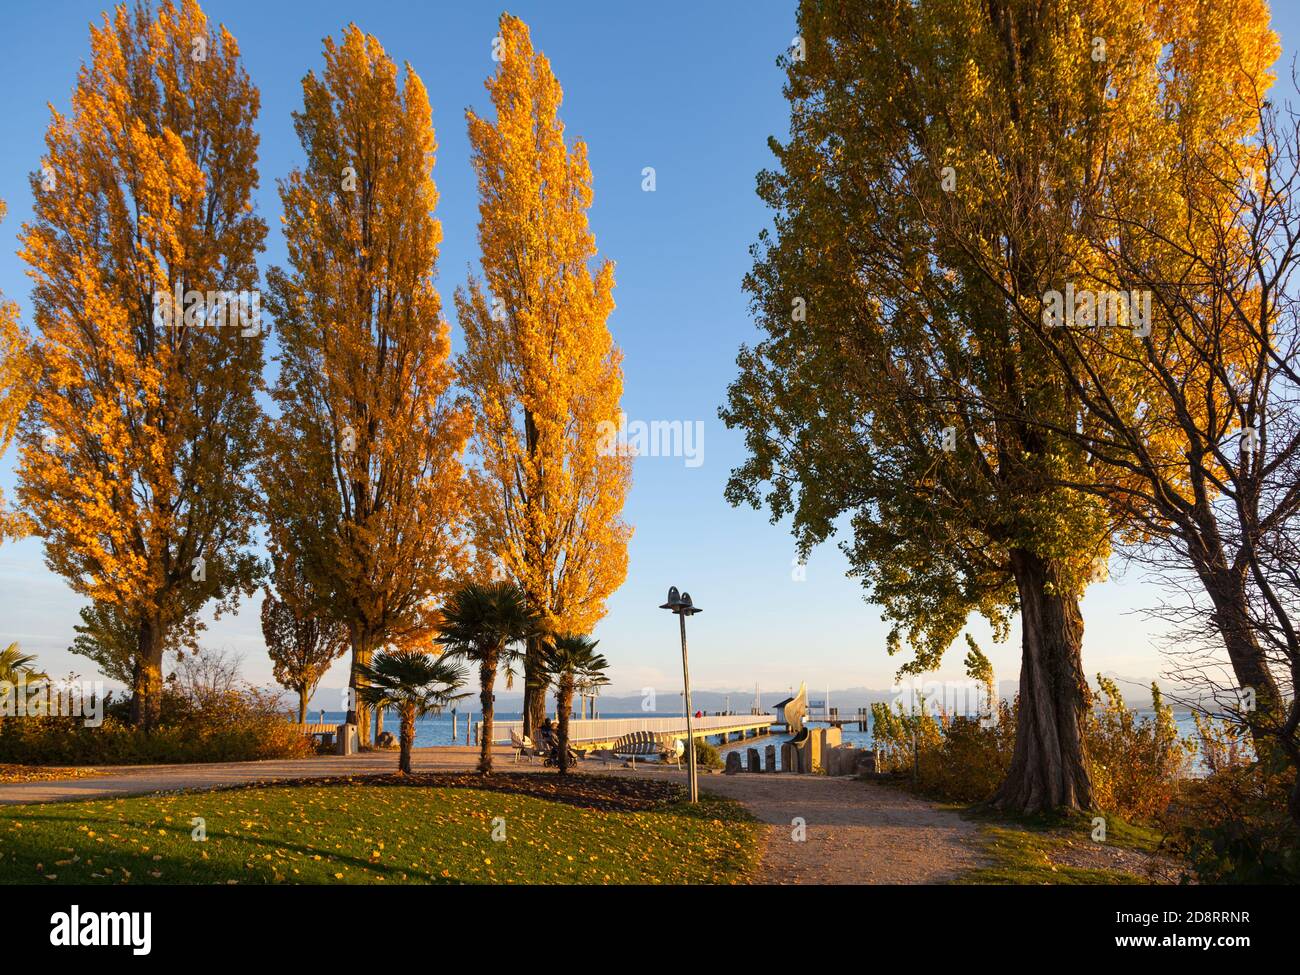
column 681, row 605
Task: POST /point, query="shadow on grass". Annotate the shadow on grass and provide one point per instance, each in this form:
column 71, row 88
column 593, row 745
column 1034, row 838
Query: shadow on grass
column 599, row 792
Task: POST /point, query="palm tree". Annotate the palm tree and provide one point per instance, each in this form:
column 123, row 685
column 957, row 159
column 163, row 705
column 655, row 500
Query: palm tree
column 16, row 666
column 484, row 623
column 572, row 661
column 414, row 684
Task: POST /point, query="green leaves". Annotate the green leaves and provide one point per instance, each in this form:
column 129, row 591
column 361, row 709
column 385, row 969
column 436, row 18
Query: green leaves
column 893, row 391
column 409, row 681
column 480, row 620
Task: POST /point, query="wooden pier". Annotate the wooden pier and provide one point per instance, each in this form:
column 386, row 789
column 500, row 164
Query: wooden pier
column 603, row 732
column 862, row 719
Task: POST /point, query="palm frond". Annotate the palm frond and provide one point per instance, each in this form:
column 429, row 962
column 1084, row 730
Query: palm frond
column 573, row 656
column 17, row 666
column 409, row 678
column 481, row 621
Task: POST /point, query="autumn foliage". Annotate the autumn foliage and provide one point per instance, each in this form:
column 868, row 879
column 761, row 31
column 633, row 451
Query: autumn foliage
column 17, row 377
column 372, row 513
column 140, row 436
column 540, row 364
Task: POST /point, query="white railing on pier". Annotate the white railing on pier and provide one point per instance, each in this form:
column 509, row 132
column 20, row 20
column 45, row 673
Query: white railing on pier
column 609, row 729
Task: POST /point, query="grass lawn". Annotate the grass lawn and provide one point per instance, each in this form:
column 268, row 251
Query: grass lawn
column 1023, row 857
column 1058, row 850
column 438, row 830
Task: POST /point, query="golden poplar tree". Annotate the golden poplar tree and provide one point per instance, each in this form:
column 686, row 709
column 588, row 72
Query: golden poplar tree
column 17, row 376
column 139, row 439
column 364, row 483
column 540, row 363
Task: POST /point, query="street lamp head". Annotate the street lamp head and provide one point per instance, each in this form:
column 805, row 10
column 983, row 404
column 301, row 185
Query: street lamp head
column 688, row 607
column 674, row 600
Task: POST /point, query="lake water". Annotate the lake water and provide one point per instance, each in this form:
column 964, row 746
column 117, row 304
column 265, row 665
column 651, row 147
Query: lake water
column 436, row 729
column 850, row 735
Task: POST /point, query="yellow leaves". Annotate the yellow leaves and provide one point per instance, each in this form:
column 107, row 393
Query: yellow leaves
column 19, row 370
column 123, row 403
column 540, row 362
column 366, row 372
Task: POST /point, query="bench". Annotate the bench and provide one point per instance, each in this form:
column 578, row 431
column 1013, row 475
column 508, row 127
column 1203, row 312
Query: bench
column 338, row 737
column 649, row 744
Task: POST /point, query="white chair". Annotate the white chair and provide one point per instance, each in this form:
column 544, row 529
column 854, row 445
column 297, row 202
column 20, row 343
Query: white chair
column 676, row 749
column 522, row 745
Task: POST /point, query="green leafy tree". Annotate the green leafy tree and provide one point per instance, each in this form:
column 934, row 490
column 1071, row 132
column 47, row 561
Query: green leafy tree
column 980, row 668
column 301, row 639
column 301, row 645
column 893, row 391
column 110, row 638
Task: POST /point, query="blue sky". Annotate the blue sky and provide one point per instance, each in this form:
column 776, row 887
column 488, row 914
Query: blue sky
column 690, row 89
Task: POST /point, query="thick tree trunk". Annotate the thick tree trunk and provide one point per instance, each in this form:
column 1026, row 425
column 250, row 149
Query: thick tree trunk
column 146, row 697
column 302, row 705
column 407, row 740
column 379, row 723
column 1049, row 768
column 487, row 674
column 564, row 706
column 359, row 711
column 534, row 687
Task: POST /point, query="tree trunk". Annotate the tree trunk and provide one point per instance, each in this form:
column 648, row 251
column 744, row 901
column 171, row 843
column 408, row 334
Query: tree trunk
column 359, row 710
column 1227, row 591
column 564, row 704
column 379, row 723
column 407, row 740
column 534, row 687
column 302, row 705
column 487, row 674
column 1049, row 768
column 146, row 697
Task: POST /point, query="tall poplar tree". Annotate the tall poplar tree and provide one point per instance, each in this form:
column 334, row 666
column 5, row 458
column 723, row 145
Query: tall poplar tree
column 363, row 477
column 540, row 363
column 140, row 436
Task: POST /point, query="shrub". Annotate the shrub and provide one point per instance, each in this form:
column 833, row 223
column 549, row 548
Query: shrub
column 1136, row 763
column 235, row 726
column 1223, row 745
column 896, row 734
column 706, row 756
column 959, row 759
column 1232, row 827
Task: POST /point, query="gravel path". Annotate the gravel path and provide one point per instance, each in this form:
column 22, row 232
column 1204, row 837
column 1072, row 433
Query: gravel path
column 139, row 779
column 854, row 832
